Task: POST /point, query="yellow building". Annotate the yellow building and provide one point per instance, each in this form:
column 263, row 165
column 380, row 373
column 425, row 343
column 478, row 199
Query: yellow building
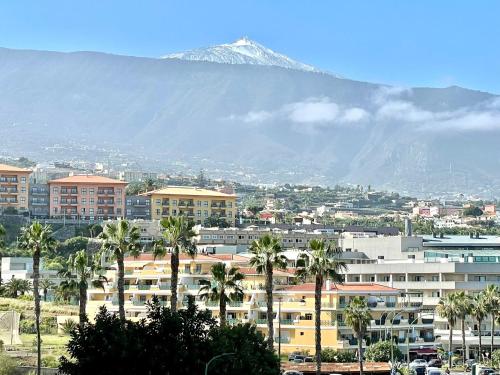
column 394, row 315
column 195, row 203
column 14, row 187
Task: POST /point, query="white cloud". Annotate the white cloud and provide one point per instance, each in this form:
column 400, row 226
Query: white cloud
column 403, row 111
column 313, row 111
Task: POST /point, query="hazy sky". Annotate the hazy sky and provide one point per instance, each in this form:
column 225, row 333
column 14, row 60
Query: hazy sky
column 407, row 43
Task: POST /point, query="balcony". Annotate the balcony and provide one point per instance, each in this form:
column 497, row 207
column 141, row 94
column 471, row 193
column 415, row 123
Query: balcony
column 69, row 191
column 105, row 202
column 233, row 322
column 8, row 200
column 9, row 180
column 218, row 205
column 8, row 190
column 105, row 192
column 185, row 204
column 69, row 201
column 39, row 192
column 39, row 202
column 282, row 340
column 144, row 287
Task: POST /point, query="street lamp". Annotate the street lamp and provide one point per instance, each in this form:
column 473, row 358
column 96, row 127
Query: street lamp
column 216, row 357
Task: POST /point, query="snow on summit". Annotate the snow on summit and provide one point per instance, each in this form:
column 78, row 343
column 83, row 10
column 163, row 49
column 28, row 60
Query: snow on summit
column 242, row 51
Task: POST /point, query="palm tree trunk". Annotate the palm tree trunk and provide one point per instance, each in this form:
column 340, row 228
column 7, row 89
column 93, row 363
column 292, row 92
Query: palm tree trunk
column 492, row 331
column 174, row 280
column 480, row 345
column 450, row 341
column 36, row 292
column 83, row 303
column 222, row 309
column 317, row 310
column 270, row 317
column 360, row 353
column 463, row 341
column 121, row 293
column 45, row 291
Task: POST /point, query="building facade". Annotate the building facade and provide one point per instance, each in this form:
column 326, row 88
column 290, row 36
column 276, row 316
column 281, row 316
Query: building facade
column 138, row 207
column 14, row 188
column 87, row 197
column 200, row 205
column 39, row 200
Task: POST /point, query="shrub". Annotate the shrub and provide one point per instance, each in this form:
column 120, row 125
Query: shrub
column 341, row 356
column 495, row 358
column 381, row 352
column 68, row 326
column 27, row 326
column 7, row 365
column 50, row 361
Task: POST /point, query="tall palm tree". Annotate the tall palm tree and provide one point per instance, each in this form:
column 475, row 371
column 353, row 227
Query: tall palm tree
column 225, row 286
column 86, row 268
column 464, row 305
column 492, row 301
column 3, row 234
column 177, row 236
column 67, row 289
column 479, row 312
column 120, row 239
column 37, row 239
column 358, row 317
column 447, row 309
column 17, row 287
column 267, row 255
column 45, row 286
column 321, row 263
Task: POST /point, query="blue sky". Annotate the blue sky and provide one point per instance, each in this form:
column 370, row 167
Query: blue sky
column 407, row 43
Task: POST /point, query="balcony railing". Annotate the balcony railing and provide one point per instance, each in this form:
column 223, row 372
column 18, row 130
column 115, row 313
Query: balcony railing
column 283, row 340
column 12, row 190
column 8, row 200
column 105, row 192
column 143, row 287
column 69, row 191
column 12, row 180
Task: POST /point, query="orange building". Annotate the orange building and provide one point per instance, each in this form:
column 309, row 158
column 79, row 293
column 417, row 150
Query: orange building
column 14, row 187
column 87, row 197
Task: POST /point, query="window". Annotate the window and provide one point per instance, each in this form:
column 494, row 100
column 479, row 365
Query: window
column 23, row 200
column 198, row 203
column 83, row 211
column 91, row 211
column 23, row 189
column 129, row 202
column 187, row 268
column 174, row 202
column 91, row 191
column 302, row 333
column 23, row 180
column 229, row 214
column 129, row 212
column 198, row 213
column 55, row 190
column 148, row 202
column 55, row 210
column 386, row 278
column 84, row 191
column 206, row 213
column 118, row 211
column 419, row 278
column 435, row 294
column 308, row 316
column 230, row 204
column 92, row 201
column 119, row 201
column 435, row 278
column 206, row 236
column 55, row 200
column 118, row 191
column 205, row 203
column 84, row 201
column 158, row 211
column 480, row 278
column 214, row 237
column 158, row 202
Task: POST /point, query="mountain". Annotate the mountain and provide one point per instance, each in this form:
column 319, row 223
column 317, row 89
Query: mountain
column 255, row 123
column 242, row 51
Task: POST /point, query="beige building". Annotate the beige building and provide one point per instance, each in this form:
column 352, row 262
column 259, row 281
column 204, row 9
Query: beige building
column 194, row 203
column 14, row 187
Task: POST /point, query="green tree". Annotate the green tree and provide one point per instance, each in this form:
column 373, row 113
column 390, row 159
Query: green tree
column 37, row 238
column 491, row 297
column 479, row 312
column 120, row 239
column 329, row 355
column 321, row 263
column 358, row 317
column 86, row 268
column 267, row 255
column 177, row 235
column 472, row 211
column 66, row 290
column 381, row 352
column 16, row 287
column 447, row 308
column 224, row 287
column 45, row 286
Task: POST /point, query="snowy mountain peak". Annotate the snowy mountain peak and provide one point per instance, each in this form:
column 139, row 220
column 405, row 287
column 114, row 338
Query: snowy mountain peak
column 242, row 51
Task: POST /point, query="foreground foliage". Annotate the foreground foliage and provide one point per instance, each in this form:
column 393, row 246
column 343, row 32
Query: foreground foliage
column 381, row 352
column 166, row 343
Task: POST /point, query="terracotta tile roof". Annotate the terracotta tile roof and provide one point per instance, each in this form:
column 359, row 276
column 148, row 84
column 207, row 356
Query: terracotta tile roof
column 87, row 179
column 149, row 257
column 188, row 191
column 358, row 287
column 10, row 168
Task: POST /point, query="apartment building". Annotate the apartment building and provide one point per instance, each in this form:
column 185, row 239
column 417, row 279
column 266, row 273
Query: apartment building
column 195, row 203
column 14, row 188
column 87, row 197
column 39, row 200
column 138, row 207
column 393, row 315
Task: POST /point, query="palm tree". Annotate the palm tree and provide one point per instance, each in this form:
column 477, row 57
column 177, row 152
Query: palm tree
column 492, row 301
column 16, row 287
column 479, row 312
column 322, row 263
column 37, row 239
column 267, row 254
column 463, row 309
column 225, row 286
column 447, row 309
column 67, row 289
column 86, row 270
column 358, row 317
column 178, row 235
column 3, row 234
column 120, row 239
column 46, row 285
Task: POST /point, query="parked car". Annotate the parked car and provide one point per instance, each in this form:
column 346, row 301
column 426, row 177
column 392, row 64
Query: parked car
column 292, row 355
column 419, row 362
column 293, row 372
column 436, row 362
column 486, row 371
column 469, row 363
column 299, row 359
column 434, row 371
column 309, row 359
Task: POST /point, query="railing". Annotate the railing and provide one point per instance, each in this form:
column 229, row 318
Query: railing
column 8, row 190
column 143, row 287
column 283, row 340
column 69, row 191
column 235, row 304
column 211, row 303
column 105, row 192
column 164, row 286
column 8, row 179
column 138, row 303
column 286, row 321
column 328, row 304
column 8, row 200
column 233, row 321
column 261, row 321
